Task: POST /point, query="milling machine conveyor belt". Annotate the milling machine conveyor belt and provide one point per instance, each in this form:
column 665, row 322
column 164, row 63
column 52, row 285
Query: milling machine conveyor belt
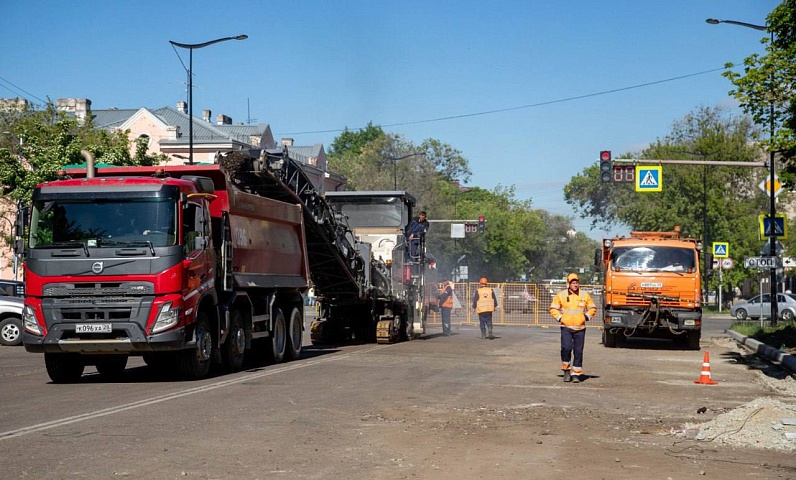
column 336, row 268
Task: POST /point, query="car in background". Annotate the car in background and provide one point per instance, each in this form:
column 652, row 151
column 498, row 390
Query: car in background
column 760, row 305
column 12, row 288
column 519, row 301
column 11, row 320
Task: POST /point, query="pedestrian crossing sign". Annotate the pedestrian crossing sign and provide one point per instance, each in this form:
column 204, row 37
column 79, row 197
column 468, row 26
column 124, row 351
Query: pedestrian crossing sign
column 649, row 179
column 779, row 225
column 721, row 250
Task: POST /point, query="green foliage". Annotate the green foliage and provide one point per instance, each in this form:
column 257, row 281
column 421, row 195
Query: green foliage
column 518, row 239
column 766, row 88
column 726, row 200
column 355, row 141
column 41, row 142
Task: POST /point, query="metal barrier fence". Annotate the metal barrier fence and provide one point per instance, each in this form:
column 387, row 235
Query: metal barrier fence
column 525, row 304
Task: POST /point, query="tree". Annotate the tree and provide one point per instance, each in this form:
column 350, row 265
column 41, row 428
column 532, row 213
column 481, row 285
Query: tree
column 41, row 142
column 516, row 240
column 712, row 202
column 766, row 88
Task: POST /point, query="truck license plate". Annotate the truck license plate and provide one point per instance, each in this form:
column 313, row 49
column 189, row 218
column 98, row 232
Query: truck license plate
column 93, row 328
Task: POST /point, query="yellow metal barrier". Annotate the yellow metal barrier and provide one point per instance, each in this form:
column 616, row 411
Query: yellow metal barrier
column 524, row 304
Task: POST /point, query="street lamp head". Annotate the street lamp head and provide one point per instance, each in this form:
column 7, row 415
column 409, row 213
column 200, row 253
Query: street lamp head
column 716, row 21
column 190, row 47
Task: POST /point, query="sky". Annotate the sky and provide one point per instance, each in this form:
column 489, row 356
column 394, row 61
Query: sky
column 529, row 92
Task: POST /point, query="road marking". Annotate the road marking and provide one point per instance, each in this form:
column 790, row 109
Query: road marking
column 184, row 393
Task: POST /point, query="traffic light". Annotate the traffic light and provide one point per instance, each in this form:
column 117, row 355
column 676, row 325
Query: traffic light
column 481, row 224
column 606, row 168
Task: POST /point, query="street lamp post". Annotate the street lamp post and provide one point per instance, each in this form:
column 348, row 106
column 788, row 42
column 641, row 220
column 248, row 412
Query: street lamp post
column 395, row 167
column 772, row 237
column 191, row 47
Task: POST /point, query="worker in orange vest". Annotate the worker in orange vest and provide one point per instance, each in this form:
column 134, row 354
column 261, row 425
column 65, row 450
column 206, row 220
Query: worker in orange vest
column 445, row 300
column 572, row 308
column 484, row 303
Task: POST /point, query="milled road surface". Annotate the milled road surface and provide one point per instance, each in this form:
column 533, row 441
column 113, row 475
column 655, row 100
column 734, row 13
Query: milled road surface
column 435, row 408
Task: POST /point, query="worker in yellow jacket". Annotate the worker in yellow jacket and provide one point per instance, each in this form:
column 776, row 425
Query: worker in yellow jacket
column 572, row 308
column 484, row 303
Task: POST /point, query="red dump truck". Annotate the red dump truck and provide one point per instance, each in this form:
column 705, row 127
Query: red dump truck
column 199, row 264
column 183, row 268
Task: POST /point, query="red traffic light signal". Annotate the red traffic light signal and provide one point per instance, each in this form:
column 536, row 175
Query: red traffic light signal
column 481, row 224
column 606, row 167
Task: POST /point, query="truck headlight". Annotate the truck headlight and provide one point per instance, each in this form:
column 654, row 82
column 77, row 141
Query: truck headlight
column 167, row 318
column 29, row 320
column 616, row 320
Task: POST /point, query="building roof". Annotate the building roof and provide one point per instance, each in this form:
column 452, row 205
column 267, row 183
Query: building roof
column 203, row 131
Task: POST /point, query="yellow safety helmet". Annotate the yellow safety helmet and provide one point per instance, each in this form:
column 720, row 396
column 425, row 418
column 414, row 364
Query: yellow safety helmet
column 572, row 276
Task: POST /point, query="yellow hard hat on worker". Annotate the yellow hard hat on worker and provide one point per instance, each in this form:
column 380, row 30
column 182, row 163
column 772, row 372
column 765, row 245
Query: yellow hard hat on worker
column 572, row 276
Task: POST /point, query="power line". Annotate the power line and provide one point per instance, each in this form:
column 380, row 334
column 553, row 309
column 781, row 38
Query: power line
column 20, row 90
column 522, row 107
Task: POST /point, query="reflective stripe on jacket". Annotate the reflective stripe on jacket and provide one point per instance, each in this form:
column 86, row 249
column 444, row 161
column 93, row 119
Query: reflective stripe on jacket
column 571, row 308
column 486, row 300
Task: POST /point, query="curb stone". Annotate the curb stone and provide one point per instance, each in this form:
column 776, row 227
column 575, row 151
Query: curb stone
column 788, row 361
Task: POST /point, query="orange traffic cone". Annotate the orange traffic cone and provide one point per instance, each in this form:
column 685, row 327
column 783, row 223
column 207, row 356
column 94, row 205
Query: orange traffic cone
column 705, row 379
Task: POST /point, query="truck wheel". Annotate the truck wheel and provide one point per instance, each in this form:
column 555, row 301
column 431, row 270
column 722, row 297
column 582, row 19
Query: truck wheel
column 295, row 331
column 278, row 338
column 194, row 363
column 111, row 366
column 11, row 331
column 235, row 346
column 158, row 360
column 64, row 367
column 693, row 339
column 609, row 339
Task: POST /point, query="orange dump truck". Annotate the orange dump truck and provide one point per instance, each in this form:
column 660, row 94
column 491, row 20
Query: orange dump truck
column 652, row 288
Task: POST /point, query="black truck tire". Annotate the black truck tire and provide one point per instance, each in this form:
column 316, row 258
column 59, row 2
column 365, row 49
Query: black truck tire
column 694, row 336
column 279, row 336
column 609, row 339
column 295, row 331
column 111, row 366
column 235, row 346
column 64, row 367
column 194, row 363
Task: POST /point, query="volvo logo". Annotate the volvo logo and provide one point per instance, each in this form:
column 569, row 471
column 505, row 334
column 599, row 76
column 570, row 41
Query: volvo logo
column 97, row 267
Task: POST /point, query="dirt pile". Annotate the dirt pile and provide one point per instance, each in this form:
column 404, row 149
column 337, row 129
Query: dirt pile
column 761, row 423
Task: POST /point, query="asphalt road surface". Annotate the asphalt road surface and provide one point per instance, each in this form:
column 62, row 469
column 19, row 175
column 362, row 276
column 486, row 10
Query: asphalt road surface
column 435, row 408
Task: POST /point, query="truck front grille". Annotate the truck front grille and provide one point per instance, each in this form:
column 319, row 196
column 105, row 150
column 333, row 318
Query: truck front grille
column 116, row 289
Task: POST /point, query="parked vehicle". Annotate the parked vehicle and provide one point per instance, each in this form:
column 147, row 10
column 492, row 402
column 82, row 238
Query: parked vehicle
column 760, row 306
column 11, row 320
column 12, row 288
column 517, row 298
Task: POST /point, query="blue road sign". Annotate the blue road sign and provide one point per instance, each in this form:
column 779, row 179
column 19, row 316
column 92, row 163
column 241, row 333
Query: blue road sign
column 721, row 249
column 780, row 226
column 649, row 179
